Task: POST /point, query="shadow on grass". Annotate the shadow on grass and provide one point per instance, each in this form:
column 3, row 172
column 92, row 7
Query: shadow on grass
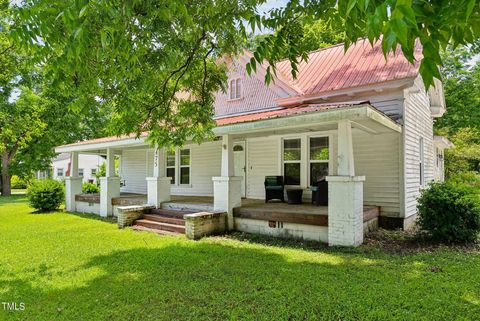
column 205, row 280
column 91, row 216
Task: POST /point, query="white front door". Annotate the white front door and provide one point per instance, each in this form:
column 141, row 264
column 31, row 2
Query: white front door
column 239, row 162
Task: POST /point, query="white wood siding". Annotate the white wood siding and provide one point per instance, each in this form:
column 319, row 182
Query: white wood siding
column 378, row 158
column 263, row 156
column 205, row 163
column 418, row 123
column 134, row 170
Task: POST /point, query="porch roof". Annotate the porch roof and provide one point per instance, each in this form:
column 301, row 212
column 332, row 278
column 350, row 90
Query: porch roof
column 306, row 117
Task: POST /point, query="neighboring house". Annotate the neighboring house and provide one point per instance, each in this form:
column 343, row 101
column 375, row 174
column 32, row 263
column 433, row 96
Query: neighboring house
column 87, row 166
column 364, row 122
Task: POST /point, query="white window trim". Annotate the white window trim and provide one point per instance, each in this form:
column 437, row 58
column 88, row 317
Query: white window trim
column 328, row 161
column 421, row 160
column 305, row 155
column 184, row 166
column 83, row 172
column 240, row 97
column 283, row 161
column 178, row 166
column 170, row 166
column 63, row 172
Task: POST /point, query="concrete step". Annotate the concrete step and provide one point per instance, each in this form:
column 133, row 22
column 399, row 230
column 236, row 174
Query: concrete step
column 160, row 226
column 161, row 232
column 188, row 207
column 171, row 213
column 164, row 219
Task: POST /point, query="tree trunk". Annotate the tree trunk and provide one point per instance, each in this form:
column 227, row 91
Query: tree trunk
column 6, row 178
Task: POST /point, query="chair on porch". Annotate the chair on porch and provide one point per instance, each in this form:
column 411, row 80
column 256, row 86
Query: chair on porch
column 274, row 188
column 320, row 192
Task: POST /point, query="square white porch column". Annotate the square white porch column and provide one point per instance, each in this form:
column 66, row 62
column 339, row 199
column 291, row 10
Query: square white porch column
column 109, row 186
column 227, row 189
column 158, row 186
column 345, row 195
column 73, row 183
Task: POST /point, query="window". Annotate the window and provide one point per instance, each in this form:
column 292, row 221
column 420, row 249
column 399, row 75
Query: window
column 421, row 161
column 93, row 171
column 59, row 172
column 80, row 172
column 291, row 161
column 319, row 157
column 171, row 165
column 185, row 166
column 235, row 87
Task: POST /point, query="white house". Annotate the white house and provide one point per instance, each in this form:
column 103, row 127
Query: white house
column 364, row 122
column 87, row 167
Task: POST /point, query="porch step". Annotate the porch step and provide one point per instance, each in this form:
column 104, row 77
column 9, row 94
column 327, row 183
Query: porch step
column 187, row 207
column 147, row 229
column 169, row 212
column 164, row 219
column 160, row 226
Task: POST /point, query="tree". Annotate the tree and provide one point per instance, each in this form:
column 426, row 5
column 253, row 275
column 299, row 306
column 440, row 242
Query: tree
column 157, row 64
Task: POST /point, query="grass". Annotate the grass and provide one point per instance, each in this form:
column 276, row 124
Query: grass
column 73, row 267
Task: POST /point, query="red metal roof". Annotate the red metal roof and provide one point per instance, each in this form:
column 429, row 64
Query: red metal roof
column 284, row 112
column 332, row 68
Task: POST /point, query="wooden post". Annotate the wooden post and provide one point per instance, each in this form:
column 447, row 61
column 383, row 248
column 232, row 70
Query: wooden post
column 346, row 165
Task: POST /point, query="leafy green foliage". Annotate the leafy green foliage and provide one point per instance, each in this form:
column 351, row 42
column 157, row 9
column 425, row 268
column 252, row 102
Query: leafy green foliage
column 465, row 156
column 90, row 188
column 46, row 194
column 469, row 181
column 156, row 66
column 447, row 212
column 18, row 183
column 396, row 23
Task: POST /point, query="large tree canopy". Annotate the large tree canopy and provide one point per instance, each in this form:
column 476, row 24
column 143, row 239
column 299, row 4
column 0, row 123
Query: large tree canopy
column 156, row 63
column 34, row 114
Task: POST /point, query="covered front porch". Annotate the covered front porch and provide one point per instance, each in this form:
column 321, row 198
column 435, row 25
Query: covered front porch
column 211, row 177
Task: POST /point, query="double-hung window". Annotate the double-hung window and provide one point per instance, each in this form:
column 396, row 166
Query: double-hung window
column 185, row 166
column 235, row 88
column 59, row 172
column 319, row 156
column 292, row 158
column 80, row 172
column 171, row 165
column 421, row 161
column 178, row 165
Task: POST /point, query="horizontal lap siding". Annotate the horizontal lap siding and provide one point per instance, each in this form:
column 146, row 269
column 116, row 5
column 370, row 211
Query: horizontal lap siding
column 377, row 158
column 134, row 171
column 206, row 162
column 418, row 123
column 262, row 160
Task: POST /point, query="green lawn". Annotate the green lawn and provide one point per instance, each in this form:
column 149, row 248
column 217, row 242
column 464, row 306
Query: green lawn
column 75, row 267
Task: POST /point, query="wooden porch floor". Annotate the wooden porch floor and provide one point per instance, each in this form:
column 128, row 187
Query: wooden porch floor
column 305, row 213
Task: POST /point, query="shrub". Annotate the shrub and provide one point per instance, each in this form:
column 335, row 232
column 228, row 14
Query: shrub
column 89, row 188
column 448, row 212
column 46, row 194
column 18, row 183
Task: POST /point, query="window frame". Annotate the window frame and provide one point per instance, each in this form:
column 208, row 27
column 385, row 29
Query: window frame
column 60, row 169
column 310, row 161
column 299, row 161
column 421, row 161
column 174, row 179
column 81, row 170
column 237, row 96
column 178, row 166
